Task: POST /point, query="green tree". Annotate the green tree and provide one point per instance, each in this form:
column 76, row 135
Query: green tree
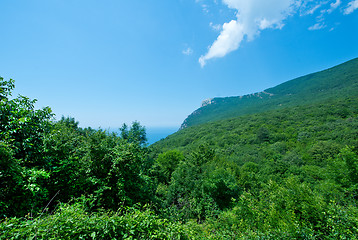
column 23, row 127
column 351, row 160
column 22, row 166
column 167, row 162
column 67, row 154
column 12, row 183
column 135, row 134
column 263, row 135
column 187, row 190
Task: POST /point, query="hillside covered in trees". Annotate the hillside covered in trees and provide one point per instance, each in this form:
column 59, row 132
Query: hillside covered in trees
column 337, row 81
column 287, row 172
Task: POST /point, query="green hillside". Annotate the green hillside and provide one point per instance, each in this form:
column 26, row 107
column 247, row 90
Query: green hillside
column 284, row 174
column 297, row 129
column 258, row 169
column 336, row 81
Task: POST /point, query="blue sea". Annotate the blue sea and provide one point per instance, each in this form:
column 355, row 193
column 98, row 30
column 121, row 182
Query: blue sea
column 155, row 134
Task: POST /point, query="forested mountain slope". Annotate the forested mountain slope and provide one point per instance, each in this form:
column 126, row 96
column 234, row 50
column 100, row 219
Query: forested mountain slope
column 341, row 80
column 279, row 173
column 295, row 130
column 264, row 158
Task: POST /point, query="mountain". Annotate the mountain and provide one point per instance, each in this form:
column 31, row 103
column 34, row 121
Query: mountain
column 258, row 157
column 336, row 81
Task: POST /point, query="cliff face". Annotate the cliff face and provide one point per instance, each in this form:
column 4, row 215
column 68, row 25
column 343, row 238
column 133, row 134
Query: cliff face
column 207, row 102
column 338, row 80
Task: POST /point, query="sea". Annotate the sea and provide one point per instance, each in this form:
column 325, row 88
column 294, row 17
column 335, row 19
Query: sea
column 154, row 134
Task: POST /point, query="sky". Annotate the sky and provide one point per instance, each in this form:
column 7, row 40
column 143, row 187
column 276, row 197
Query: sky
column 111, row 62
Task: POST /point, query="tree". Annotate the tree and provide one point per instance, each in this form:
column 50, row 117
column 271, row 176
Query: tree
column 263, row 135
column 5, row 88
column 351, row 160
column 168, row 162
column 188, row 190
column 136, row 133
column 23, row 167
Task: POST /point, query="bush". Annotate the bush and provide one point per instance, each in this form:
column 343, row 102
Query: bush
column 72, row 221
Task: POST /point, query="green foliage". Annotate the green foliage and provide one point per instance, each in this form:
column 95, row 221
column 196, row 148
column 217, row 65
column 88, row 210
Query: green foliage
column 105, row 166
column 72, row 221
column 42, row 159
column 344, row 170
column 5, row 88
column 11, row 180
column 136, row 133
column 23, row 128
column 290, row 210
column 126, row 182
column 263, row 135
column 200, row 186
column 287, row 174
column 22, row 166
column 166, row 163
column 221, row 185
column 350, row 158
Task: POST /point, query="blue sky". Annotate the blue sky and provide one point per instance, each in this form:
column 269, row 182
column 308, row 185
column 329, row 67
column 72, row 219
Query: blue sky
column 114, row 61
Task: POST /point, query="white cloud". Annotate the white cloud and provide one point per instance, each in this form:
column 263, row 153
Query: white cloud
column 317, row 26
column 252, row 17
column 216, row 27
column 309, row 7
column 188, row 51
column 353, row 5
column 228, row 40
column 311, row 10
column 334, row 6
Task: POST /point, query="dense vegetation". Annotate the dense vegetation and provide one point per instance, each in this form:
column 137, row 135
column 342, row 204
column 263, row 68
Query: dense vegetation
column 287, row 173
column 283, row 172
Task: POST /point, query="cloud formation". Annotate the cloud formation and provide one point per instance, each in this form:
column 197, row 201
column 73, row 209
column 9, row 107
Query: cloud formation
column 228, row 40
column 251, row 18
column 353, row 5
column 215, row 27
column 335, row 5
column 317, row 26
column 254, row 16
